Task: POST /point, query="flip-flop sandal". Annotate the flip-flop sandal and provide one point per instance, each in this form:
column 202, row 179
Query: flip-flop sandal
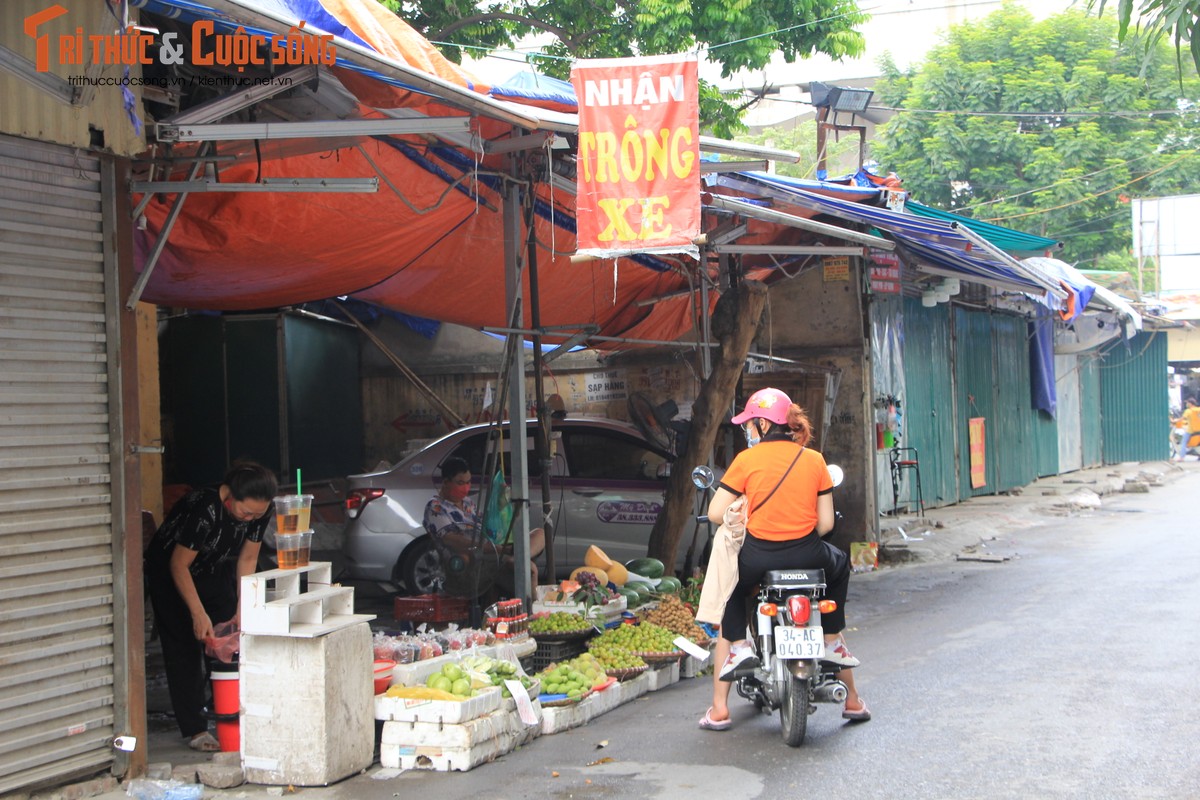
column 861, row 715
column 710, row 724
column 204, row 742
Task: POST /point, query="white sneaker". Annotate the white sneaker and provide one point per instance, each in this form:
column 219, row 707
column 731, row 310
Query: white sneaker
column 836, row 653
column 741, row 659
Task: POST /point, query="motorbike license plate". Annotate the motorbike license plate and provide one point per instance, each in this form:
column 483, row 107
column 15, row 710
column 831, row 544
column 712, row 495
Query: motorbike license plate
column 799, row 642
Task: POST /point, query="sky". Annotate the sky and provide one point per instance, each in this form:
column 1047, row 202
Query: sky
column 905, row 28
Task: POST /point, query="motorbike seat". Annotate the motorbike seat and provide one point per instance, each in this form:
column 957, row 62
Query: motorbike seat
column 794, row 578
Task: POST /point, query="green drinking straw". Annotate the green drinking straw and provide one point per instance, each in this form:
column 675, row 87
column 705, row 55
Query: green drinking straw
column 298, row 480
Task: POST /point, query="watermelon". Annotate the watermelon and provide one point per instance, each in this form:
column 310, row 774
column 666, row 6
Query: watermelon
column 644, row 590
column 650, row 567
column 632, row 598
column 670, row 584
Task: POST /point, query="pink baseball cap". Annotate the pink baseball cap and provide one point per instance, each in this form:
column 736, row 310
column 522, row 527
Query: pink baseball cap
column 770, row 404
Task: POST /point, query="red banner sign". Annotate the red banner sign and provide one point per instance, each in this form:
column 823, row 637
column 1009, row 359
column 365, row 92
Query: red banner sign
column 638, row 165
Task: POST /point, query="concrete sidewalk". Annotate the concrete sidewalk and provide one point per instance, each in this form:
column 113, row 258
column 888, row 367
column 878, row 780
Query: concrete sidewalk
column 983, row 528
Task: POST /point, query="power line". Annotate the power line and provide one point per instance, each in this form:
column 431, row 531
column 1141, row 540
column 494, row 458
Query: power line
column 1123, row 163
column 1090, row 196
column 1035, row 114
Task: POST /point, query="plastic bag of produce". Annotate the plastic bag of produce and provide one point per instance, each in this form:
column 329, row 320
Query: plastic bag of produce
column 225, row 641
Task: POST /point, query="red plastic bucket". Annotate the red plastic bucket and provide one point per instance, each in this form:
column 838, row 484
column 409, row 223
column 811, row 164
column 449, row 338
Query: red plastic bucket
column 227, row 703
column 383, row 674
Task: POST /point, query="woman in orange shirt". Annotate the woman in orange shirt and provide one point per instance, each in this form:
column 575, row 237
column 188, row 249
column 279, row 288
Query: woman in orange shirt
column 790, row 507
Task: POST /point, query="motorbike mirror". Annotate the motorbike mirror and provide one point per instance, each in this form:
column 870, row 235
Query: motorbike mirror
column 703, row 477
column 836, row 474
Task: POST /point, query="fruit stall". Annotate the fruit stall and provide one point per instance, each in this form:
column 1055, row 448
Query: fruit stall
column 447, row 696
column 605, row 636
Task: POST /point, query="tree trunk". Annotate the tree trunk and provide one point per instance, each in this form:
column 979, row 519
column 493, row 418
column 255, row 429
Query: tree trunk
column 735, row 320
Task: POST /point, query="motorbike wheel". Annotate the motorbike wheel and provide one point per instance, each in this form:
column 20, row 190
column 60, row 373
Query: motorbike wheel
column 793, row 711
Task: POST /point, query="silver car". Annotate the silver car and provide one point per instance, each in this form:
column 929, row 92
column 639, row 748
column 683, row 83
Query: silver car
column 607, row 483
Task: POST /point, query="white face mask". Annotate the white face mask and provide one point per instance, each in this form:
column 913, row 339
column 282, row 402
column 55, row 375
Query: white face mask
column 753, row 436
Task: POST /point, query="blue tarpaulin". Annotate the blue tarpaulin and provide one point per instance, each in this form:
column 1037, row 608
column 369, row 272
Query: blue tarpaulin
column 1042, row 383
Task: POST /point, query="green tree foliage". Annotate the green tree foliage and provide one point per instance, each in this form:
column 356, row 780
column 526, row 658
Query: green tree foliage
column 738, row 34
column 1049, row 127
column 1178, row 20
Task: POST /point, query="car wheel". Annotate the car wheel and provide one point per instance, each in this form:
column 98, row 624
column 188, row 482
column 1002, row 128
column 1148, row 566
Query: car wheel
column 419, row 568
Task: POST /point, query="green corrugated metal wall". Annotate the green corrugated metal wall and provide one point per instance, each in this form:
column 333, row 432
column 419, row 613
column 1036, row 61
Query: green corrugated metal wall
column 992, row 370
column 1045, row 442
column 1134, row 407
column 1016, row 454
column 976, row 364
column 1089, row 411
column 973, row 371
column 929, row 412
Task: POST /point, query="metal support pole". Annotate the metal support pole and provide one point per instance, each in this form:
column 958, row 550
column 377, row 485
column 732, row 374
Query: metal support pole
column 518, row 435
column 161, row 242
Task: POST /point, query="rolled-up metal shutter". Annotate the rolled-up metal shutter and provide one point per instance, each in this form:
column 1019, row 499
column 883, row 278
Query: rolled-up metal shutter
column 56, row 529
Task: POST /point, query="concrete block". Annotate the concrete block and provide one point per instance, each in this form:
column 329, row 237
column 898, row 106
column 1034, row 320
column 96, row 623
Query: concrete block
column 184, row 773
column 159, row 771
column 306, row 716
column 220, row 776
column 78, row 791
column 227, row 759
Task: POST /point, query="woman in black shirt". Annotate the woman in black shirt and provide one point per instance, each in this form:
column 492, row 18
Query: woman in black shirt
column 194, row 565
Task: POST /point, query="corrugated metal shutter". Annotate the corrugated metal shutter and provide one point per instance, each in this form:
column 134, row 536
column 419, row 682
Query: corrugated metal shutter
column 1090, row 431
column 976, row 395
column 56, row 540
column 1016, row 453
column 929, row 415
column 1070, row 443
column 1135, row 410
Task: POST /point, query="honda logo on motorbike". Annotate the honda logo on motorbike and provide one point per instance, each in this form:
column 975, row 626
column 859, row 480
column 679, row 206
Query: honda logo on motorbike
column 794, row 576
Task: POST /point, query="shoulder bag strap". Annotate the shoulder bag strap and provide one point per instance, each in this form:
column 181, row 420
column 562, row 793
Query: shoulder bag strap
column 781, row 480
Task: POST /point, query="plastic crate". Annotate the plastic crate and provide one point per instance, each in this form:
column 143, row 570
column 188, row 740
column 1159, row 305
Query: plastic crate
column 548, row 653
column 431, row 608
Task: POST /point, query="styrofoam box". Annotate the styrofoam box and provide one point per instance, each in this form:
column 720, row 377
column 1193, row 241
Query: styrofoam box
column 691, row 666
column 408, row 709
column 510, row 704
column 634, row 688
column 663, row 676
column 463, row 736
column 423, row 745
column 561, row 718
